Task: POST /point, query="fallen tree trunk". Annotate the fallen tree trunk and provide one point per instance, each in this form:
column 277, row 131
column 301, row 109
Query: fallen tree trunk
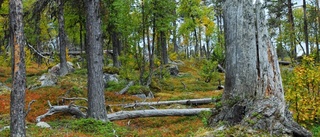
column 124, row 90
column 182, row 102
column 72, row 109
column 155, row 113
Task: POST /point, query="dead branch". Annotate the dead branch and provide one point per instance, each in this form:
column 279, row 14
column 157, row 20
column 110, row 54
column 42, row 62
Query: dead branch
column 155, row 113
column 29, row 108
column 49, row 59
column 124, row 90
column 71, row 108
column 182, row 102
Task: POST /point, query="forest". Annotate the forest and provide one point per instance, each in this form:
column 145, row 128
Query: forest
column 159, row 68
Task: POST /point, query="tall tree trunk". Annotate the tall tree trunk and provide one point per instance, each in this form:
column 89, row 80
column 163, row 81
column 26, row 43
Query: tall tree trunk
column 96, row 99
column 62, row 39
column 196, row 54
column 115, row 48
column 305, row 26
column 164, row 50
column 253, row 84
column 292, row 31
column 17, row 100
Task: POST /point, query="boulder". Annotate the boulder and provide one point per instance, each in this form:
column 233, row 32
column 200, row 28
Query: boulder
column 43, row 125
column 173, row 69
column 55, row 69
column 4, row 88
column 110, row 77
column 48, row 79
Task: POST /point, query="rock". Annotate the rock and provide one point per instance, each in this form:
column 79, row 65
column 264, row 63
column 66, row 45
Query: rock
column 173, row 69
column 55, row 69
column 110, row 77
column 4, row 88
column 5, row 128
column 43, row 125
column 141, row 95
column 48, row 79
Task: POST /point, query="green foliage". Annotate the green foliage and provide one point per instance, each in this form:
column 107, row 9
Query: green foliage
column 97, row 127
column 302, row 91
column 137, row 89
column 127, row 70
column 316, row 131
column 80, row 72
column 5, row 59
column 219, row 54
column 115, row 86
column 205, row 115
column 209, row 72
column 111, row 70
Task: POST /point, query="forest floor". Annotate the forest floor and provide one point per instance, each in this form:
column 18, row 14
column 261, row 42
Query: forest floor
column 188, row 86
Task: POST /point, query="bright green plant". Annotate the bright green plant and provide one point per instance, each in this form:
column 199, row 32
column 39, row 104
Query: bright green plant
column 209, row 71
column 97, row 127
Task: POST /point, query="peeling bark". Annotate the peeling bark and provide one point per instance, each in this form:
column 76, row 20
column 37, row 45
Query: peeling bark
column 254, row 89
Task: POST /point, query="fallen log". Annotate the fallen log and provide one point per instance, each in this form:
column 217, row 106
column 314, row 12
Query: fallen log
column 182, row 102
column 71, row 108
column 124, row 90
column 155, row 113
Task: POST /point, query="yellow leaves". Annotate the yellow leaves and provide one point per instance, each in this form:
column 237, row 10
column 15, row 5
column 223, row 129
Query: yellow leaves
column 302, row 91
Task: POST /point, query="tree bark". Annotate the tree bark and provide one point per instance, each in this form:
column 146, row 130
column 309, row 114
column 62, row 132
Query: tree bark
column 17, row 96
column 253, row 84
column 155, row 113
column 62, row 39
column 164, row 50
column 96, row 99
column 305, row 26
column 292, row 32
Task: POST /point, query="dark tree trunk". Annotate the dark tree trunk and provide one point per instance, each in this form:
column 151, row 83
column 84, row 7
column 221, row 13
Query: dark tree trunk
column 96, row 99
column 196, row 54
column 292, row 32
column 62, row 40
column 164, row 51
column 305, row 27
column 17, row 103
column 254, row 89
column 115, row 48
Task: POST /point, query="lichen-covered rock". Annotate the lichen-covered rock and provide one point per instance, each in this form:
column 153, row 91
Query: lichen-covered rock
column 4, row 88
column 48, row 79
column 110, row 77
column 55, row 69
column 43, row 125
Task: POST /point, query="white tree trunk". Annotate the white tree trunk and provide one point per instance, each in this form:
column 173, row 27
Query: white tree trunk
column 155, row 113
column 253, row 87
